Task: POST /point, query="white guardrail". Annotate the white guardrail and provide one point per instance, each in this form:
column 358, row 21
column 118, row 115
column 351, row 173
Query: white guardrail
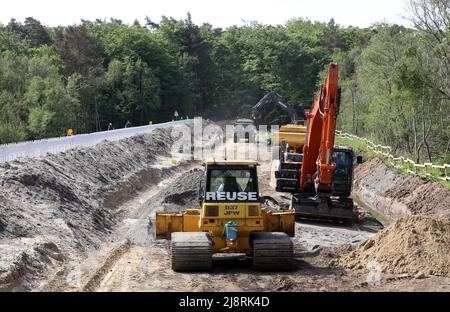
column 426, row 169
column 9, row 152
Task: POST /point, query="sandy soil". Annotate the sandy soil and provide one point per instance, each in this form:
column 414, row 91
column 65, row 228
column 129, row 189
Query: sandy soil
column 418, row 245
column 146, row 265
column 82, row 221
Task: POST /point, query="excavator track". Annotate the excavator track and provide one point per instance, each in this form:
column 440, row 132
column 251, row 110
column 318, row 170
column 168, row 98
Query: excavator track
column 341, row 210
column 191, row 251
column 272, row 251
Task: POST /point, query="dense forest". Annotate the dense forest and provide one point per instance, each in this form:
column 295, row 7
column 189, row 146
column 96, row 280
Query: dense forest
column 396, row 80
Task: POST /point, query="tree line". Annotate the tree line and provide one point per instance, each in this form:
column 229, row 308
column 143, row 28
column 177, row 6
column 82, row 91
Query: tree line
column 397, row 87
column 395, row 79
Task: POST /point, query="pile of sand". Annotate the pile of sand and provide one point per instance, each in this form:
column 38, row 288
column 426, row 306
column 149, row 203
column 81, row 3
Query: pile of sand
column 418, row 245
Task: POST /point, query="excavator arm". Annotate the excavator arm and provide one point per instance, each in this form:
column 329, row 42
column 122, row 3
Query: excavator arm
column 273, row 97
column 317, row 165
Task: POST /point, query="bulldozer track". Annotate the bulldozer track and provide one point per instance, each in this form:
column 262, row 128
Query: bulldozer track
column 272, row 251
column 191, row 251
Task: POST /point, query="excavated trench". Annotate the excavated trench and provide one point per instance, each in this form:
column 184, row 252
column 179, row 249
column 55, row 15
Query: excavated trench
column 395, row 195
column 55, row 211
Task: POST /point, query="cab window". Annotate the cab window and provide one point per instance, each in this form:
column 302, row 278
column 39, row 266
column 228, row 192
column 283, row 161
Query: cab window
column 231, row 181
column 343, row 163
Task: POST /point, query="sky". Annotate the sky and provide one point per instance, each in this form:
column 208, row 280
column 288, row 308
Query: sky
column 219, row 13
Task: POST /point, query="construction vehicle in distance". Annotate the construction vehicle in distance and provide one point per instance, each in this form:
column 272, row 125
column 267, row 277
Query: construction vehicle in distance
column 230, row 220
column 273, row 97
column 246, row 127
column 308, row 165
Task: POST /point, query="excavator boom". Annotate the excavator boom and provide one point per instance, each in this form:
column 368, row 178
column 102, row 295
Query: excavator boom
column 319, row 145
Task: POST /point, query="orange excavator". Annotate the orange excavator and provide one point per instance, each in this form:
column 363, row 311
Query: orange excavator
column 317, row 162
column 317, row 173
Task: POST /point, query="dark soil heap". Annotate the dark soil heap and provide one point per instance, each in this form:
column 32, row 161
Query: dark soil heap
column 184, row 191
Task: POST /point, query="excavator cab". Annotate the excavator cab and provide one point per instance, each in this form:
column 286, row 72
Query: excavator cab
column 343, row 173
column 231, row 220
column 334, row 206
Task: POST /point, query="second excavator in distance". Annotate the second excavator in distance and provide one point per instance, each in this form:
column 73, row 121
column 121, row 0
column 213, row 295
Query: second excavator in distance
column 308, row 165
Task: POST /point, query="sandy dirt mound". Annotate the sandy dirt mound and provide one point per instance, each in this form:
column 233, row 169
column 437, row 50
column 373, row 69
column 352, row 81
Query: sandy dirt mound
column 68, row 201
column 396, row 195
column 418, row 245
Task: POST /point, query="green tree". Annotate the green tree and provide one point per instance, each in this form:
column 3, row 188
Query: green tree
column 32, row 31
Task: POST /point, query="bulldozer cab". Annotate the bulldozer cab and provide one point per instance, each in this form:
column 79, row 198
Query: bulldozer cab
column 235, row 182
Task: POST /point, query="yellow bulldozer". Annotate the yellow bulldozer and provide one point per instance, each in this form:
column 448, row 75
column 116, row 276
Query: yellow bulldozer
column 230, row 220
